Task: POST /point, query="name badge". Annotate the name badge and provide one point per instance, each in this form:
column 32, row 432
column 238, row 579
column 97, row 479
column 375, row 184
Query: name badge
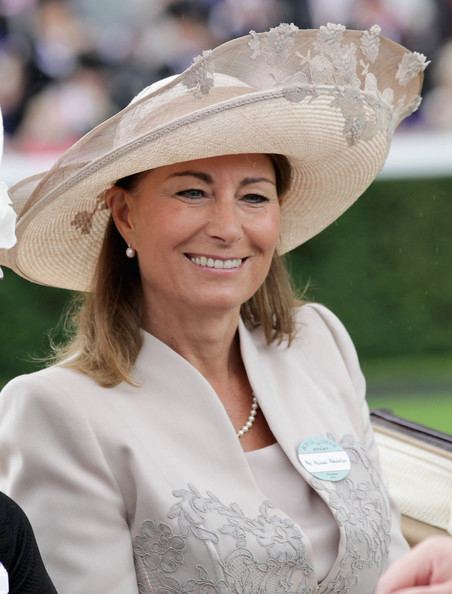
column 323, row 458
column 4, row 582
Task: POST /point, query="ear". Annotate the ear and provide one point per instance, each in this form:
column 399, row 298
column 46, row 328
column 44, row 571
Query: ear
column 118, row 201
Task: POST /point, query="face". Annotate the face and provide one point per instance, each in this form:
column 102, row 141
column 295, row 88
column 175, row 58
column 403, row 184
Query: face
column 204, row 231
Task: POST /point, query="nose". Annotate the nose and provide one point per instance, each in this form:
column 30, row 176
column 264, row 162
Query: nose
column 224, row 221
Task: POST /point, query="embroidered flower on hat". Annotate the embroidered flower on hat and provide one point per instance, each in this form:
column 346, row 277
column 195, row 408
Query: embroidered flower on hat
column 83, row 220
column 332, row 63
column 357, row 126
column 410, row 66
column 199, row 77
column 274, row 45
column 370, row 43
column 329, row 38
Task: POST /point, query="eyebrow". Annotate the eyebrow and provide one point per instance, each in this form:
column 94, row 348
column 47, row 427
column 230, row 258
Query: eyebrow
column 208, row 179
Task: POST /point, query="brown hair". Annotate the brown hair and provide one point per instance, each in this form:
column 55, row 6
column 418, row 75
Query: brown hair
column 105, row 324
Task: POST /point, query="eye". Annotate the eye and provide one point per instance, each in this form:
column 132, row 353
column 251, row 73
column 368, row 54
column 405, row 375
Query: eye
column 191, row 193
column 255, row 198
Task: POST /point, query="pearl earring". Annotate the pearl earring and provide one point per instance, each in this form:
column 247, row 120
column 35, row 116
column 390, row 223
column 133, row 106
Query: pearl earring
column 130, row 252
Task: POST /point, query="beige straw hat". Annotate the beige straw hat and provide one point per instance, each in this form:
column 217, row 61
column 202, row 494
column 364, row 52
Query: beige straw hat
column 328, row 99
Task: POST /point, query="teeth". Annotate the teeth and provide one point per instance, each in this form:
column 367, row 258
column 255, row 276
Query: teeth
column 211, row 263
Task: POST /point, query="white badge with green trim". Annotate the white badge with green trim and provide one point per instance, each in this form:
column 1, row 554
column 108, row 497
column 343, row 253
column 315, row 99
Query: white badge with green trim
column 324, row 458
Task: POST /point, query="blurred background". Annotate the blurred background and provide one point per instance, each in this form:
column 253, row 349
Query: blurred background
column 385, row 267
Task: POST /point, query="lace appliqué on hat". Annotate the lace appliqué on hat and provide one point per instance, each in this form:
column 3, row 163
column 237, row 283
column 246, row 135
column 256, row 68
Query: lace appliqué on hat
column 199, row 77
column 83, row 220
column 342, row 66
column 410, row 66
column 332, row 67
column 370, row 43
column 275, row 45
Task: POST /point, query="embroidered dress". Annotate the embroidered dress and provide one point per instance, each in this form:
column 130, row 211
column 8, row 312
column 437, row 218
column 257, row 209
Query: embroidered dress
column 150, row 489
column 280, row 481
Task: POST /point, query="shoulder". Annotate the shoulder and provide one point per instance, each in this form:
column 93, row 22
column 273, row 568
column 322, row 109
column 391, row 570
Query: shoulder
column 48, row 395
column 316, row 320
column 316, row 327
column 58, row 408
column 326, row 344
column 61, row 402
column 51, row 383
column 318, row 315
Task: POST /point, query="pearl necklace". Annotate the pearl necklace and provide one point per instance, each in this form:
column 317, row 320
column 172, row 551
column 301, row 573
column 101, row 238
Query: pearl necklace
column 250, row 420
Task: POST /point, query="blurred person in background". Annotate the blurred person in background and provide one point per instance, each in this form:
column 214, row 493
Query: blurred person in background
column 59, row 38
column 438, row 103
column 179, row 32
column 64, row 111
column 231, row 18
column 14, row 81
column 204, row 430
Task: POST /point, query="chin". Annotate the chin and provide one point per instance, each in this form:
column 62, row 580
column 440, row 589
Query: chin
column 220, row 303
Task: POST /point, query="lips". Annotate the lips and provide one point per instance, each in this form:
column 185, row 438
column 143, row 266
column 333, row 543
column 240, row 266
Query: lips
column 217, row 263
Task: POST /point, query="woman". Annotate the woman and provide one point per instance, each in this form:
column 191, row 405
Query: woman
column 203, row 432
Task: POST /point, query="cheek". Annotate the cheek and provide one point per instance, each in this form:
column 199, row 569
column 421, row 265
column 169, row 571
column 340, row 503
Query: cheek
column 152, row 222
column 165, row 230
column 269, row 229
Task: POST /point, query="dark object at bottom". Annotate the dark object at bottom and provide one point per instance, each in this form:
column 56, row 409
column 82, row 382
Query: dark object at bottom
column 19, row 552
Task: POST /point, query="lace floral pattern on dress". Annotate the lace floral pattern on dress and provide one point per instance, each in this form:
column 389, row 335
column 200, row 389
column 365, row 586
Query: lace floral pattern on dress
column 207, row 547
column 362, row 509
column 265, row 554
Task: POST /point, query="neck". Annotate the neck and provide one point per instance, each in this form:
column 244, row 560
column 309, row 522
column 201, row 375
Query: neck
column 208, row 341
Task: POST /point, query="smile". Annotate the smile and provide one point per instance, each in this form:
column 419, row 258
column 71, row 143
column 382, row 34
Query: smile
column 218, row 263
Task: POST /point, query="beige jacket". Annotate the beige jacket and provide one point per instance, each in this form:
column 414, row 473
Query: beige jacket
column 147, row 490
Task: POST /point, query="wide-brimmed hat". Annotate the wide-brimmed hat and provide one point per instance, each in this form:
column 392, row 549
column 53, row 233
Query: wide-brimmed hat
column 327, row 99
